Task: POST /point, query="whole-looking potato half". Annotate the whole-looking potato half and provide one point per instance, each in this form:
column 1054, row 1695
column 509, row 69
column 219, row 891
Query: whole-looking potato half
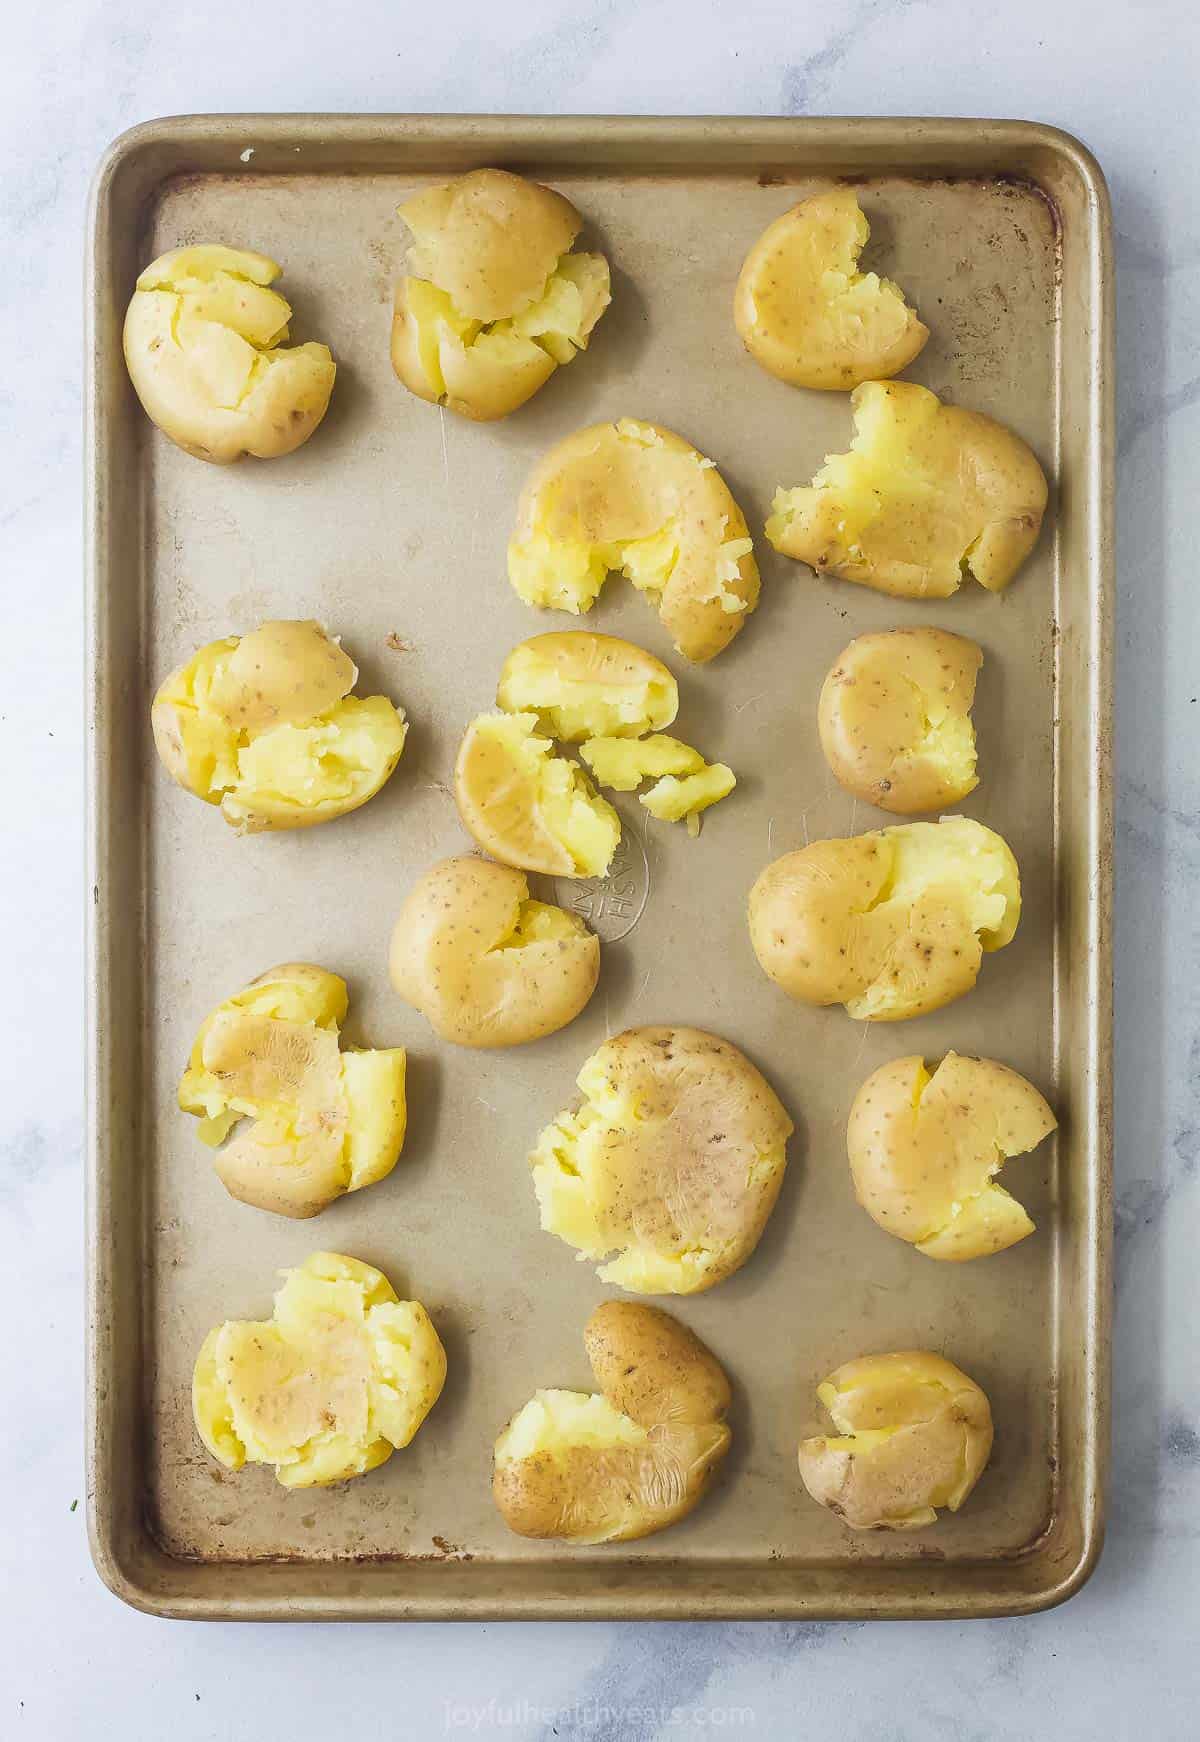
column 205, row 348
column 484, row 964
column 636, row 497
column 493, row 301
column 891, row 924
column 927, row 494
column 341, row 1375
column 894, row 719
column 265, row 727
column 673, row 1163
column 322, row 1122
column 914, row 1434
column 629, row 1460
column 925, row 1151
column 808, row 315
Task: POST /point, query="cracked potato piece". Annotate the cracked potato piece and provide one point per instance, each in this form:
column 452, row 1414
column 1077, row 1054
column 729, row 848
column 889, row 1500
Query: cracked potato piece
column 629, row 1460
column 582, row 685
column 806, row 313
column 322, row 1121
column 673, row 1163
column 494, row 301
column 891, row 924
column 485, row 965
column 528, row 807
column 914, row 1434
column 264, row 726
column 894, row 719
column 205, row 349
column 338, row 1378
column 623, row 763
column 927, row 494
column 635, row 497
column 925, row 1151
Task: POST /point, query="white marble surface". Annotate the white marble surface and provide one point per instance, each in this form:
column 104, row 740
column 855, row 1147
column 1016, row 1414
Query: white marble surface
column 1122, row 1656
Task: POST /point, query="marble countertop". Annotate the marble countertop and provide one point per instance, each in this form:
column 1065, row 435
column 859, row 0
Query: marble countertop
column 1121, row 1656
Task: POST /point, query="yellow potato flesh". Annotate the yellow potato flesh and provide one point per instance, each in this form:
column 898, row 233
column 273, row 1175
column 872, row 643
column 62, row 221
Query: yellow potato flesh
column 341, row 1375
column 528, row 807
column 586, row 686
column 264, row 728
column 927, row 494
column 673, row 800
column 805, row 311
column 552, row 1421
column 623, row 763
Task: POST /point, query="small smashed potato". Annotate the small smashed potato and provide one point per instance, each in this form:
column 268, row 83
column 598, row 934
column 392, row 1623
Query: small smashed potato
column 484, row 964
column 673, row 1162
column 528, row 807
column 894, row 719
column 265, row 727
column 928, row 494
column 494, row 301
column 582, row 685
column 925, row 1151
column 624, row 1462
column 808, row 315
column 891, row 924
column 324, row 1121
column 341, row 1376
column 632, row 496
column 623, row 763
column 205, row 348
column 914, row 1433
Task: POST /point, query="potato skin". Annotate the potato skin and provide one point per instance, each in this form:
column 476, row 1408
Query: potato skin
column 445, row 960
column 595, row 1493
column 872, row 718
column 923, row 1150
column 784, row 315
column 938, row 1428
column 612, row 484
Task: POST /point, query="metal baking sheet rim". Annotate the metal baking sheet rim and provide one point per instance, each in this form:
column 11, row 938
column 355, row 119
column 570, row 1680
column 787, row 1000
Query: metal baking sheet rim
column 129, row 1561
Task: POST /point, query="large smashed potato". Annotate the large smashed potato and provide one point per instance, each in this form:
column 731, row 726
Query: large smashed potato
column 635, row 497
column 624, row 1462
column 808, row 315
column 927, row 494
column 265, row 727
column 484, row 964
column 494, row 301
column 323, row 1121
column 338, row 1378
column 925, row 1151
column 914, row 1433
column 673, row 1162
column 206, row 352
column 581, row 685
column 528, row 807
column 891, row 924
column 894, row 719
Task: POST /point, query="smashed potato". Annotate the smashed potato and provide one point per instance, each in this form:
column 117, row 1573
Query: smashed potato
column 205, row 349
column 635, row 497
column 264, row 726
column 928, row 494
column 582, row 685
column 673, row 1162
column 494, row 301
column 623, row 763
column 626, row 1461
column 925, row 1151
column 894, row 719
column 528, row 807
column 323, row 1121
column 338, row 1378
column 914, row 1433
column 808, row 315
column 484, row 964
column 891, row 924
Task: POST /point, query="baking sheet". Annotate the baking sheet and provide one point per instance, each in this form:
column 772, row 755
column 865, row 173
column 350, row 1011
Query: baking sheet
column 390, row 525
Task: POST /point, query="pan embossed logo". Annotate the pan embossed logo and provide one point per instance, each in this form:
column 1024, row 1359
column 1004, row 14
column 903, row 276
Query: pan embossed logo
column 611, row 905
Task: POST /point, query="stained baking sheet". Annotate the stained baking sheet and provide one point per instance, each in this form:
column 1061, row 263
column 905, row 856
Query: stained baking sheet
column 390, row 526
